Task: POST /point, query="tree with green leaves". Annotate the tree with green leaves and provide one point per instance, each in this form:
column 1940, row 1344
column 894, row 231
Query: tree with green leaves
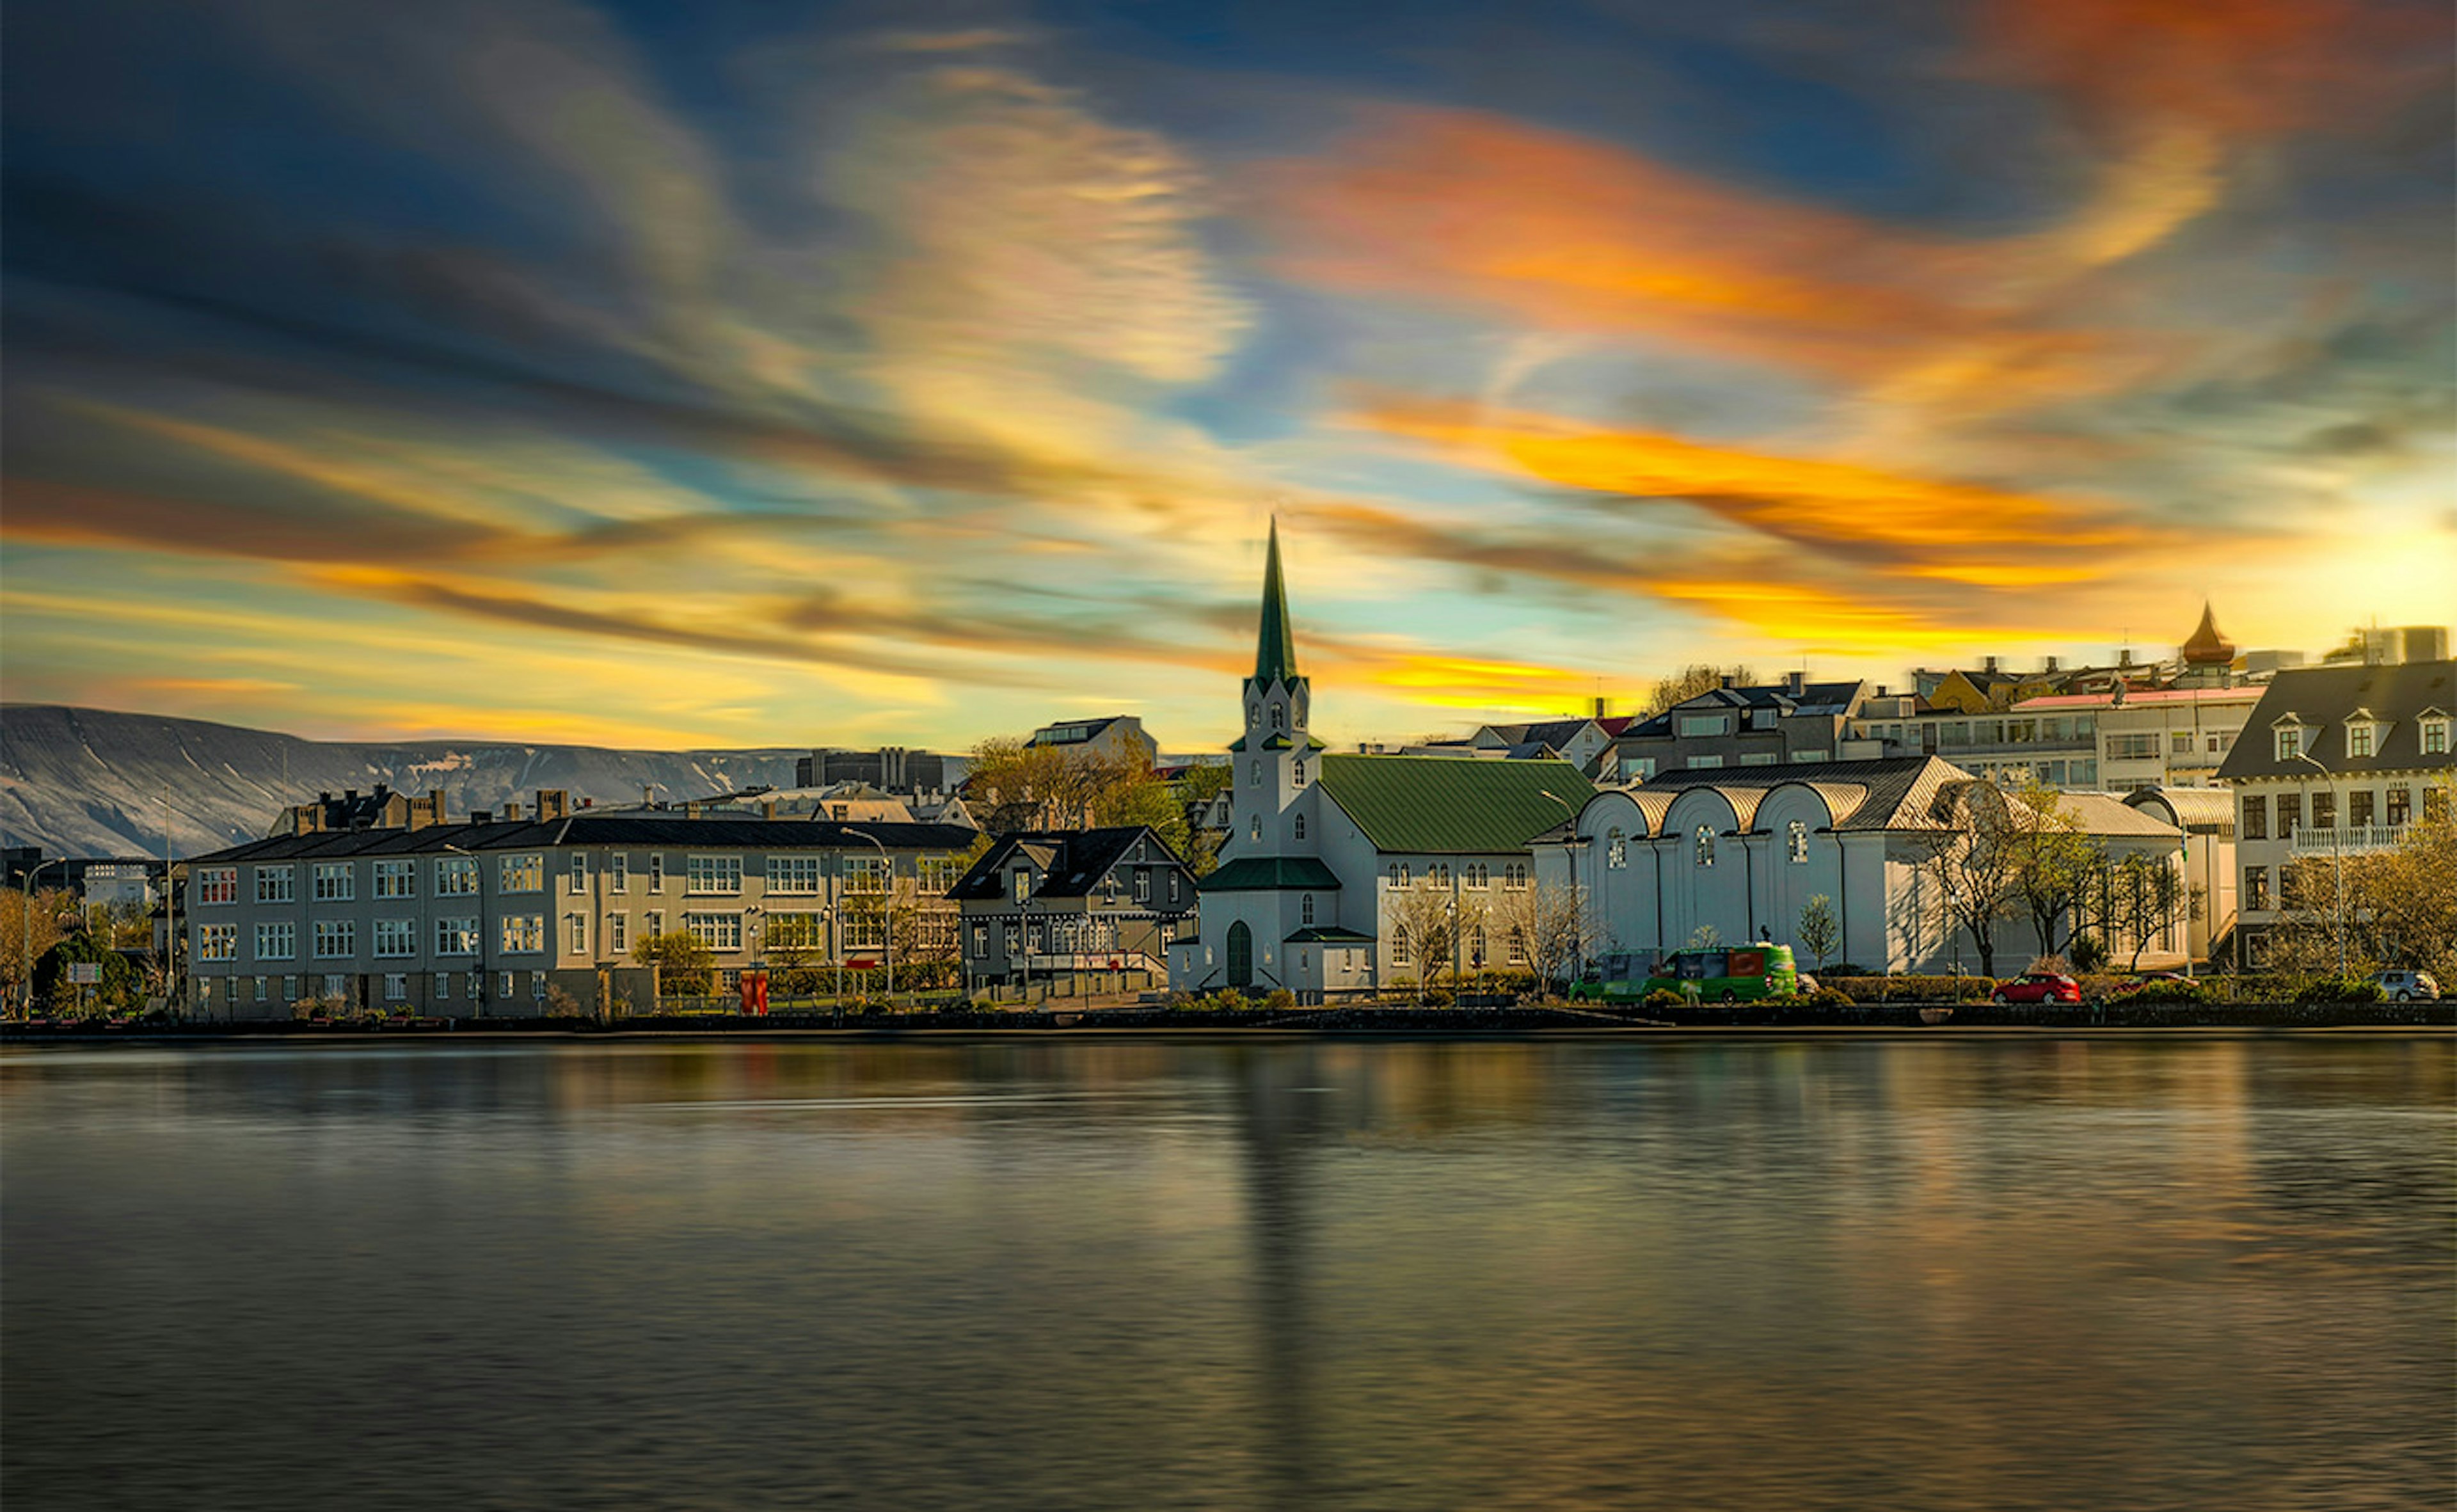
column 2051, row 858
column 685, row 966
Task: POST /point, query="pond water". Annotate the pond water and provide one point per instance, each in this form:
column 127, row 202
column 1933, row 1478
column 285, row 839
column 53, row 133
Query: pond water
column 1676, row 1272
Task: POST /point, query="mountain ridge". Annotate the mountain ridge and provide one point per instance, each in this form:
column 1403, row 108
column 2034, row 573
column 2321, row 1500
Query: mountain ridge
column 83, row 781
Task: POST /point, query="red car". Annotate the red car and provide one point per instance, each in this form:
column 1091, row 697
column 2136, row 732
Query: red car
column 2038, row 987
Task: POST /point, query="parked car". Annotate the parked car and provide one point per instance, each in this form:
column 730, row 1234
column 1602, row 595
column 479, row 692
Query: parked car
column 2039, row 986
column 2408, row 986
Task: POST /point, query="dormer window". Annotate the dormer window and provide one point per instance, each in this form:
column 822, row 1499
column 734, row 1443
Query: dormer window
column 2290, row 741
column 2362, row 739
column 2433, row 727
column 1022, row 884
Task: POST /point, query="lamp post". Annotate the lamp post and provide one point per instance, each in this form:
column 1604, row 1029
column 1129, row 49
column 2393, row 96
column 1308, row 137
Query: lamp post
column 2336, row 849
column 886, row 908
column 479, row 871
column 1570, row 858
column 26, row 934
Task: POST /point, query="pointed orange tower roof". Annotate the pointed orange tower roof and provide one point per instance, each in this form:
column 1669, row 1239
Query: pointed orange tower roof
column 2207, row 647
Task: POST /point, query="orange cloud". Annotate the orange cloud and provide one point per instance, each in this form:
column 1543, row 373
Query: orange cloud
column 1924, row 527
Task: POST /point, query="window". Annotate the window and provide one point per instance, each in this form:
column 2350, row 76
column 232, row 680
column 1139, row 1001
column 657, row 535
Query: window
column 1254, row 825
column 866, row 875
column 1400, row 946
column 655, row 923
column 576, row 933
column 396, row 878
column 2324, row 810
column 1279, row 716
column 618, row 933
column 798, row 875
column 2359, row 809
column 523, row 874
column 1143, row 884
column 1305, row 910
column 2401, row 805
column 1299, row 772
column 618, row 872
column 1518, row 943
column 2256, row 887
column 2132, row 747
column 2290, row 814
column 940, row 872
column 1022, row 885
column 1705, row 846
column 1300, row 826
column 579, row 871
column 2290, row 741
column 2179, row 742
column 1705, row 724
column 1476, row 947
column 504, row 987
column 712, row 875
column 1514, row 877
column 217, row 942
column 2216, row 745
column 289, row 989
column 276, row 884
column 263, row 989
column 456, row 937
column 396, row 987
column 217, row 884
column 396, row 938
column 717, row 931
column 1438, row 874
column 1615, row 849
column 1478, row 876
column 1172, row 887
column 1796, row 842
column 981, row 939
column 1705, row 763
column 524, row 934
column 2435, row 737
column 656, row 871
column 2256, row 817
column 1254, row 770
column 2361, row 738
column 335, row 939
column 798, row 932
column 444, row 987
column 2435, row 803
column 1637, row 768
column 456, row 877
column 1399, row 876
column 1014, row 938
column 337, row 987
column 2085, row 774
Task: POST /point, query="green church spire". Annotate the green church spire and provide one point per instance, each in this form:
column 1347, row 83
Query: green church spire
column 1275, row 649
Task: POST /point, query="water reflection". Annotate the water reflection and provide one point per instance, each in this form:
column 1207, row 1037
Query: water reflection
column 2207, row 1274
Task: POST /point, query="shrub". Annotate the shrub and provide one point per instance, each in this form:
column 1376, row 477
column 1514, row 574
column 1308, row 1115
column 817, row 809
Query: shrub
column 1663, row 998
column 2341, row 989
column 1830, row 998
column 2166, row 992
column 2088, row 953
column 1911, row 988
column 1280, row 997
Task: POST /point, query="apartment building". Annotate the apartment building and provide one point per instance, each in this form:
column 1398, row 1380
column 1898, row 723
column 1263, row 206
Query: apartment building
column 2335, row 761
column 483, row 919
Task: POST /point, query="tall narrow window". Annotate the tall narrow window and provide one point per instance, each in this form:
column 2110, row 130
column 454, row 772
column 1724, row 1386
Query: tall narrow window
column 1796, row 841
column 1617, row 849
column 1300, row 826
column 1705, row 846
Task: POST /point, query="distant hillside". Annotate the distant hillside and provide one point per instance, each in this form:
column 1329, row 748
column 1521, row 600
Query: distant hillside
column 89, row 783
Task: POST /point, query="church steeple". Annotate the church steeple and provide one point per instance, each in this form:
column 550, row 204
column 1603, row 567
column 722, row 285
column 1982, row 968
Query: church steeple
column 1275, row 648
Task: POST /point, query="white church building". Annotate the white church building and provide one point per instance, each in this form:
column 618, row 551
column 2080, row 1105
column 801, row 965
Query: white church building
column 1320, row 844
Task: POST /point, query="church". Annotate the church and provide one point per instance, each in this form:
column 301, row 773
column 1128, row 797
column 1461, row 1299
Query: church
column 1320, row 844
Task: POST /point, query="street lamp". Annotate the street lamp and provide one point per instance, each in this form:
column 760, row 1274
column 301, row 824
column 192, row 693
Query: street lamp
column 26, row 933
column 2337, row 847
column 478, row 870
column 886, row 907
column 1570, row 858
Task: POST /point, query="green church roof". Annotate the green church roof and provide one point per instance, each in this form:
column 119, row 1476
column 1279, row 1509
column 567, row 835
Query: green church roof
column 1276, row 648
column 1262, row 874
column 1454, row 805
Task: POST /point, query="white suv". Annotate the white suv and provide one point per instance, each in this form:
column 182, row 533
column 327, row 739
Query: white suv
column 2408, row 986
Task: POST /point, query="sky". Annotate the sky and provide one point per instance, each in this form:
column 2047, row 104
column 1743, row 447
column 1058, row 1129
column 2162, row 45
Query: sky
column 739, row 374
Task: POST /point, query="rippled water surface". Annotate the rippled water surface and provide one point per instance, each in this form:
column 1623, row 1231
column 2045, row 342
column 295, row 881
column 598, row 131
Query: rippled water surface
column 1866, row 1274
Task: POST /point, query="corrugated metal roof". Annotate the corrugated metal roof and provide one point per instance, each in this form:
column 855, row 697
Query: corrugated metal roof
column 1894, row 793
column 2203, row 811
column 1260, row 874
column 1452, row 805
column 2105, row 814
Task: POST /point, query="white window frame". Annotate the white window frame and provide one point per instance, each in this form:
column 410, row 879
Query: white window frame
column 713, row 873
column 395, row 939
column 276, row 939
column 276, row 885
column 337, row 938
column 456, row 877
column 523, row 934
column 1796, row 841
column 216, row 886
column 618, row 872
column 579, row 871
column 797, row 876
column 456, row 937
column 335, row 881
column 523, row 872
column 718, row 931
column 217, row 942
column 396, row 878
column 618, row 933
column 576, row 927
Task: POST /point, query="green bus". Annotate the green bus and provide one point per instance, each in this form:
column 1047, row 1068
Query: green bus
column 1719, row 974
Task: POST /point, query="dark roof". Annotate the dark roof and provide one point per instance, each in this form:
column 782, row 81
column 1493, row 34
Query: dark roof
column 1332, row 936
column 1900, row 790
column 1813, row 698
column 1071, row 864
column 1275, row 648
column 1452, row 805
column 2323, row 697
column 1554, row 733
column 654, row 831
column 1260, row 874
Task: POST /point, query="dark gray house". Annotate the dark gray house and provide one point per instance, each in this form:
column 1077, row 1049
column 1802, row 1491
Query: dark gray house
column 1077, row 909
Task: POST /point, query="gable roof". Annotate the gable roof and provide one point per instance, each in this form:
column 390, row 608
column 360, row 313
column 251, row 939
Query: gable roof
column 2321, row 698
column 658, row 830
column 1813, row 698
column 2105, row 814
column 1263, row 874
column 1071, row 862
column 1894, row 793
column 1452, row 805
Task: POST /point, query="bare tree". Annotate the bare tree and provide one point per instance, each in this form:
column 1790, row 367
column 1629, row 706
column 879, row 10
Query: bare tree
column 1557, row 927
column 1422, row 915
column 1973, row 865
column 1689, row 682
column 2052, row 859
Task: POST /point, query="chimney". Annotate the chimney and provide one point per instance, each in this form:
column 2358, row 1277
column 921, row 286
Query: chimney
column 1795, row 683
column 1725, row 680
column 1990, row 664
column 1882, row 693
column 481, row 817
column 767, row 808
column 554, row 804
column 2124, row 658
column 2052, row 664
column 1600, row 706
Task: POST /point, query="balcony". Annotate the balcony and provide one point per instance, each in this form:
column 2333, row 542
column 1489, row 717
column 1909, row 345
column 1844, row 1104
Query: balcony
column 2355, row 840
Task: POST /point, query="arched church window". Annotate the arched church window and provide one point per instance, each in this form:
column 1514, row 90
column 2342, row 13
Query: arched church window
column 1254, row 825
column 1305, row 910
column 1300, row 826
column 1796, row 840
column 1279, row 716
column 1705, row 846
column 1615, row 849
column 1300, row 772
